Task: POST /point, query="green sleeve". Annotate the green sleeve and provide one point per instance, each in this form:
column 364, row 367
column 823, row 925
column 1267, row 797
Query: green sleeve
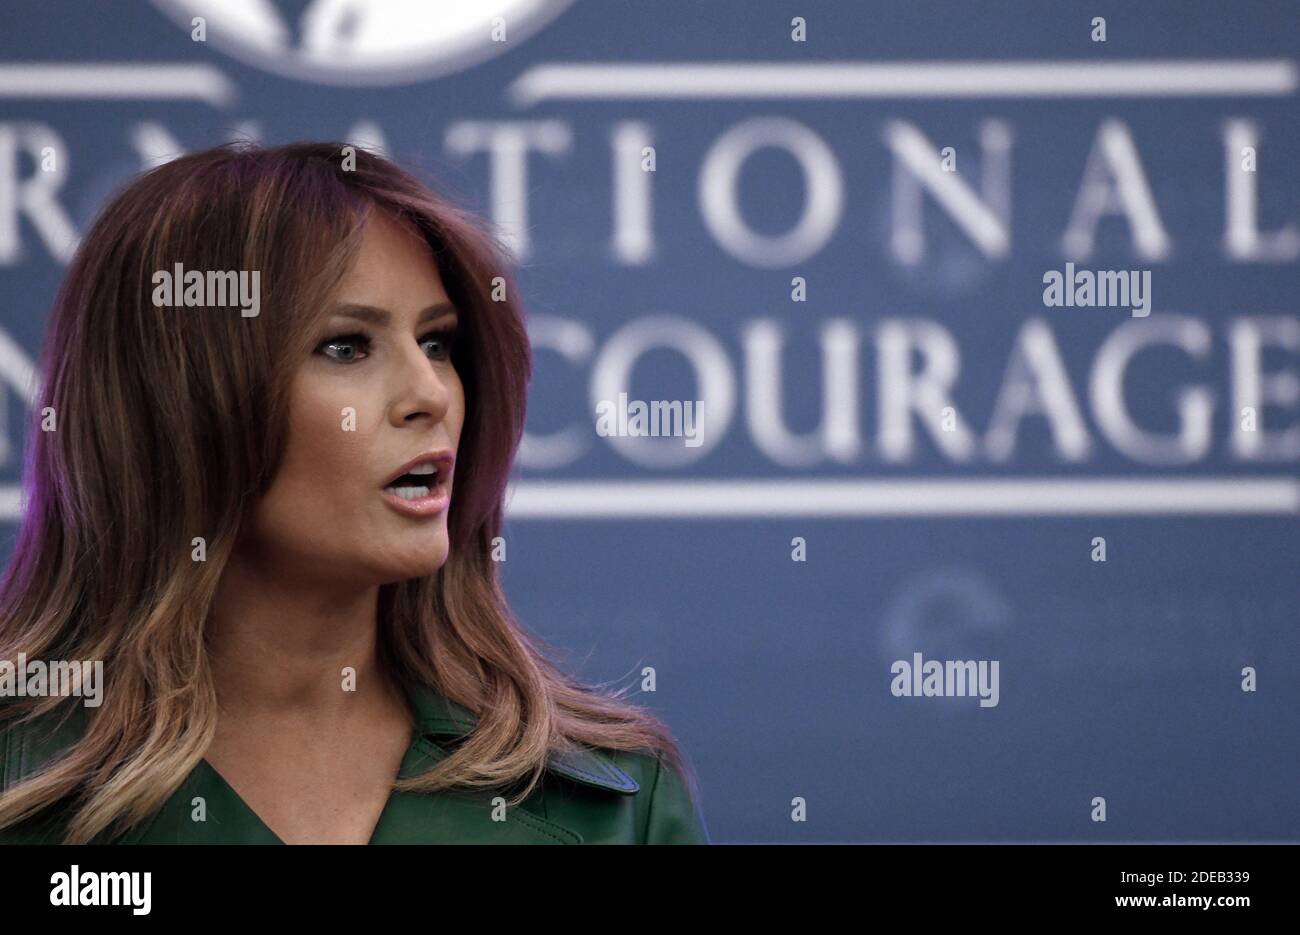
column 674, row 816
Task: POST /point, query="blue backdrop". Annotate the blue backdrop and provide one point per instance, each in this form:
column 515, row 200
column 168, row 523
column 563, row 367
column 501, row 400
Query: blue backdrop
column 829, row 222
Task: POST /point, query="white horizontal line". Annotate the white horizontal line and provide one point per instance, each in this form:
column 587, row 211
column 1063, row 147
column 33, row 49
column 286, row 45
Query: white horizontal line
column 11, row 506
column 1050, row 79
column 47, row 80
column 1006, row 496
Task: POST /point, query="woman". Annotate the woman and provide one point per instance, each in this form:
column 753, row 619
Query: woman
column 282, row 392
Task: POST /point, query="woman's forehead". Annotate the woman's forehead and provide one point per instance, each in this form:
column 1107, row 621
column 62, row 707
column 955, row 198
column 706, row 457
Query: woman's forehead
column 394, row 266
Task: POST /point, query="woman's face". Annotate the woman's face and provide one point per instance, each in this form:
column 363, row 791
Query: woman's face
column 378, row 396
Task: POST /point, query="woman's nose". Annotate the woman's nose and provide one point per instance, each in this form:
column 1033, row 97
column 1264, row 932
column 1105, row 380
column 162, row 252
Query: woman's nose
column 422, row 390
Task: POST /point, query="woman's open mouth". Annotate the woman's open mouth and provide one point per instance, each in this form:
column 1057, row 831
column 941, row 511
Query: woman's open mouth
column 423, row 488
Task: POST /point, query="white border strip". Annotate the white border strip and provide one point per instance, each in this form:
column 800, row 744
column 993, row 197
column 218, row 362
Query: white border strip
column 53, row 80
column 11, row 502
column 827, row 80
column 1006, row 496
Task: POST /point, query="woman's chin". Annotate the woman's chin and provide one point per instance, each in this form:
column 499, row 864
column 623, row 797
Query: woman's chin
column 417, row 564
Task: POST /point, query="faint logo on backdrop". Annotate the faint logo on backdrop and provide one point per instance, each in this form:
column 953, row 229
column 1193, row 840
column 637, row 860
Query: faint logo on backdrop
column 962, row 613
column 364, row 42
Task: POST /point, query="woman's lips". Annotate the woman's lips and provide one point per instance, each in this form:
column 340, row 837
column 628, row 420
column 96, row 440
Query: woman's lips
column 437, row 500
column 441, row 460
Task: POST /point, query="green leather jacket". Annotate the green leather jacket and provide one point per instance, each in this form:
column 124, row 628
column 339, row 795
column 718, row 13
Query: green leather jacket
column 592, row 797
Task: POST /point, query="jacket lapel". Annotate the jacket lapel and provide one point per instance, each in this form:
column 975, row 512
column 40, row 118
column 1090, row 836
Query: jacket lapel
column 439, row 716
column 459, row 817
column 224, row 818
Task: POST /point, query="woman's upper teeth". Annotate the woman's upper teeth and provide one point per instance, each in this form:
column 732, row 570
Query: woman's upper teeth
column 420, row 470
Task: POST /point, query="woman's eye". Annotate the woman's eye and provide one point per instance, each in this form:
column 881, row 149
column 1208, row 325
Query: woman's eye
column 349, row 348
column 344, row 348
column 442, row 342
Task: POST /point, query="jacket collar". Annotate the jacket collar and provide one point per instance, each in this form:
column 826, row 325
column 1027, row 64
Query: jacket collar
column 439, row 716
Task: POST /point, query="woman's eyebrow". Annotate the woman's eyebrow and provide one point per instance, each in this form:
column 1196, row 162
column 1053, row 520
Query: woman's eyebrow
column 381, row 317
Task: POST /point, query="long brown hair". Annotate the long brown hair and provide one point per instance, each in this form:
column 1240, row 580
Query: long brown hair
column 170, row 423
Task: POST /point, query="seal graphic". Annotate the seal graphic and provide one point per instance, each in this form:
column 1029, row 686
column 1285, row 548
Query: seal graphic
column 364, row 42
